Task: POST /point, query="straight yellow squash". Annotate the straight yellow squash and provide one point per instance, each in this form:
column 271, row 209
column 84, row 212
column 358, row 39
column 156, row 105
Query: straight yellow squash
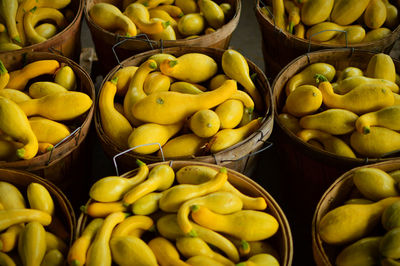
column 47, row 130
column 345, row 12
column 32, row 244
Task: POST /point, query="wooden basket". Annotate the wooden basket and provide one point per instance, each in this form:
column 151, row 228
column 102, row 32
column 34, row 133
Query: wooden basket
column 105, row 40
column 282, row 240
column 238, row 157
column 280, row 47
column 314, row 166
column 336, row 195
column 67, row 165
column 66, row 43
column 63, row 209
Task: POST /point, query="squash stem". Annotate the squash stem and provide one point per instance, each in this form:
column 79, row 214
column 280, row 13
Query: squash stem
column 366, row 130
column 21, row 153
column 3, row 69
column 140, row 163
column 320, row 78
column 166, row 24
column 192, row 233
column 173, row 63
column 114, row 80
column 75, row 263
column 83, row 209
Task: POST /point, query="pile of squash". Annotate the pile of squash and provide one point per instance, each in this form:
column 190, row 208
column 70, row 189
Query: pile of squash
column 34, row 101
column 159, row 216
column 30, row 235
column 335, row 22
column 28, row 22
column 162, row 20
column 366, row 228
column 354, row 116
column 181, row 103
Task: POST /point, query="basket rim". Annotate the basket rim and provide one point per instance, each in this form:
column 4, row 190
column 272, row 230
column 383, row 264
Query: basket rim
column 316, row 240
column 292, row 136
column 58, row 152
column 268, row 119
column 225, row 28
column 74, row 22
column 322, row 45
column 282, row 220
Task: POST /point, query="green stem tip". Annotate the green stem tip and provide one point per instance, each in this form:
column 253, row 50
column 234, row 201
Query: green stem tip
column 320, row 78
column 192, row 233
column 244, row 245
column 140, row 163
column 166, row 24
column 241, row 264
column 253, row 76
column 153, row 65
column 21, row 153
column 114, row 80
column 83, row 209
column 75, row 263
column 173, row 63
column 3, row 69
column 194, row 208
column 223, row 170
column 366, row 130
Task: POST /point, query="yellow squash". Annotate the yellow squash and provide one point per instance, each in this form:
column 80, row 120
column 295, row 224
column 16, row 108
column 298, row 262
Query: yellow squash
column 304, row 100
column 196, row 174
column 348, row 72
column 43, row 88
column 362, row 99
column 387, row 117
column 228, row 137
column 230, row 113
column 46, row 30
column 102, row 209
column 235, row 66
column 14, row 95
column 190, row 67
column 183, row 146
column 330, row 143
column 65, row 76
column 164, row 16
column 9, row 238
column 47, row 130
column 194, row 246
column 345, row 12
column 212, row 12
column 307, row 76
column 323, row 31
column 156, row 81
column 112, row 188
column 132, row 223
column 377, row 34
column 376, row 143
column 135, row 90
column 8, row 11
column 332, row 121
column 167, row 34
column 290, row 122
column 114, row 124
column 178, row 194
column 293, row 15
column 99, row 252
column 160, row 177
column 147, row 136
column 139, row 14
column 205, row 123
column 352, row 34
column 14, row 123
column 220, row 202
column 168, row 227
column 362, row 252
column 191, row 24
column 185, row 87
column 255, row 225
column 39, row 198
column 126, row 248
column 55, row 242
column 19, row 78
column 278, row 12
column 147, row 204
column 375, row 184
column 172, row 10
column 11, row 197
column 165, row 252
column 31, row 19
column 168, row 107
column 53, row 257
column 375, row 14
column 78, row 249
column 110, row 18
column 392, row 19
column 350, row 222
column 124, row 76
column 32, row 244
column 260, row 259
column 347, row 84
column 187, row 6
column 299, row 31
column 16, row 216
column 216, row 81
column 313, row 12
column 381, row 66
column 58, row 106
